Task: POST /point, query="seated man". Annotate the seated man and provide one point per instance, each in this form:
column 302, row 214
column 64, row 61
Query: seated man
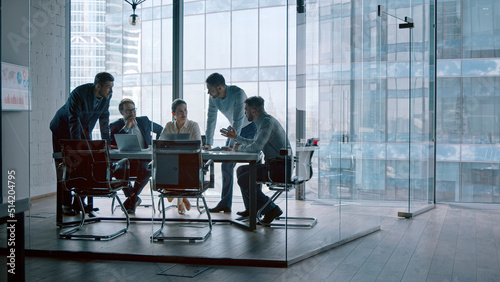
column 140, row 126
column 269, row 139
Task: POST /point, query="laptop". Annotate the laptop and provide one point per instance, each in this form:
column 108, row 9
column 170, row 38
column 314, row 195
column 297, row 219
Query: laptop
column 175, row 136
column 128, row 142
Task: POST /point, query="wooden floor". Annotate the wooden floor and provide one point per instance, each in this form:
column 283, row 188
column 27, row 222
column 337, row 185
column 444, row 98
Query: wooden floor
column 226, row 241
column 449, row 243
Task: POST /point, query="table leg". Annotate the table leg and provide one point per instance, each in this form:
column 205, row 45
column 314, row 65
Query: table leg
column 253, row 196
column 59, row 196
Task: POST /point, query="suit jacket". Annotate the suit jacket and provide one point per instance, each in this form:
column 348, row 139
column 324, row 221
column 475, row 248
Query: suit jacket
column 144, row 125
column 77, row 117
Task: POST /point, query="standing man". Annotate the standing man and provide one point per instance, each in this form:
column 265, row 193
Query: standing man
column 76, row 120
column 141, row 127
column 229, row 100
column 269, row 139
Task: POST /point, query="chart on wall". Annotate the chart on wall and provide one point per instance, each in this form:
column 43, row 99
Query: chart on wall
column 15, row 88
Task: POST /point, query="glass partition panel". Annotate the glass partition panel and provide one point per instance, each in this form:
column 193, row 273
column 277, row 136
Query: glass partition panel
column 333, row 77
column 338, row 101
column 101, row 39
column 362, row 118
column 17, row 111
column 410, row 104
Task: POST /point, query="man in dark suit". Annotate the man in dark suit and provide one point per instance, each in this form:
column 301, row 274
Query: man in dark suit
column 142, row 128
column 77, row 117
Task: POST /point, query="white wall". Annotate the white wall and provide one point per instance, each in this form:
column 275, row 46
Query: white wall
column 49, row 77
column 34, row 34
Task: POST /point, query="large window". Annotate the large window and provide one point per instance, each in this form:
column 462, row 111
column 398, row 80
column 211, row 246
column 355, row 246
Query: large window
column 468, row 101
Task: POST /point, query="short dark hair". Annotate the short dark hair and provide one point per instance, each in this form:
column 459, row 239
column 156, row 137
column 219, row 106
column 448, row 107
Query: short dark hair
column 215, row 80
column 176, row 103
column 256, row 103
column 102, row 78
column 125, row 101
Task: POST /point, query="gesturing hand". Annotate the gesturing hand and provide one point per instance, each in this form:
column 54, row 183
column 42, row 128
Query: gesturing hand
column 129, row 123
column 229, row 133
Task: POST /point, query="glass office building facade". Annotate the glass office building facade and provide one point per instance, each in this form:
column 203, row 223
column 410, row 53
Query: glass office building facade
column 88, row 40
column 468, row 155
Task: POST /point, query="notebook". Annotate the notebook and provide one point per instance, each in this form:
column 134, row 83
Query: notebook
column 175, row 136
column 128, row 142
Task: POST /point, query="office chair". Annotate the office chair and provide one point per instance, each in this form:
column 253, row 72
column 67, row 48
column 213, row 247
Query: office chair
column 304, row 173
column 178, row 171
column 88, row 171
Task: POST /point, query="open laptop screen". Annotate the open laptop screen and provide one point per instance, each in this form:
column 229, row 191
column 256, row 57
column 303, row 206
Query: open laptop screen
column 128, row 142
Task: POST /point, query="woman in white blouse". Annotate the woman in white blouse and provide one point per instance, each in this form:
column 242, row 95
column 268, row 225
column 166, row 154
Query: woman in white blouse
column 181, row 124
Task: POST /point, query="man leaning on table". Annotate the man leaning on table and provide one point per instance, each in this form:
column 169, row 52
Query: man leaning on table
column 269, row 139
column 142, row 128
column 76, row 119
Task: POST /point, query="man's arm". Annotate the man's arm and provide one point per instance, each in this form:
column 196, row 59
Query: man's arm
column 104, row 123
column 239, row 110
column 231, row 134
column 115, row 128
column 261, row 138
column 157, row 129
column 75, row 108
column 239, row 97
column 211, row 121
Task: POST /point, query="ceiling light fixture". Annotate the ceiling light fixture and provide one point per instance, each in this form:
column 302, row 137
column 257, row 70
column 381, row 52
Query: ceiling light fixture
column 134, row 18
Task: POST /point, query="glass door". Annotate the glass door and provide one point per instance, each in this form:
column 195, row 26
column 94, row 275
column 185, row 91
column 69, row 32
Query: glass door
column 405, row 68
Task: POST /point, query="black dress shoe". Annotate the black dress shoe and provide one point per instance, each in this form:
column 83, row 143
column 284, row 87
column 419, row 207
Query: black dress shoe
column 272, row 215
column 220, row 209
column 89, row 209
column 131, row 209
column 126, row 203
column 69, row 211
column 245, row 213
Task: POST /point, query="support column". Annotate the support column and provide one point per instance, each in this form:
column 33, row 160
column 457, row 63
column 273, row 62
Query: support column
column 300, row 119
column 177, row 41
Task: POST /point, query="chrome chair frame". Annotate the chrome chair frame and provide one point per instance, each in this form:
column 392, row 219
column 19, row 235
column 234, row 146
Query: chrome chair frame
column 88, row 171
column 303, row 174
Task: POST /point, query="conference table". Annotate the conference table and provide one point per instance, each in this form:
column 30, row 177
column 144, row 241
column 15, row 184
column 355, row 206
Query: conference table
column 217, row 156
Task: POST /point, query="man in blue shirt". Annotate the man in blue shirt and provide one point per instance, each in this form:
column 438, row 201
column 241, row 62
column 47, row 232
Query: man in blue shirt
column 229, row 100
column 270, row 139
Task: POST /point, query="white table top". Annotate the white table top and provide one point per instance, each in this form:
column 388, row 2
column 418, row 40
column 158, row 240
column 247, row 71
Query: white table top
column 216, row 156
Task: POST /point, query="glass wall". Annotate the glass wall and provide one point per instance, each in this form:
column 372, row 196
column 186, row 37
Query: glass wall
column 375, row 110
column 468, row 155
column 339, row 73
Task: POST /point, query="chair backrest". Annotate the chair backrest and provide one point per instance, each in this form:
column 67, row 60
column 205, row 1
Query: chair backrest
column 177, row 165
column 303, row 163
column 86, row 164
